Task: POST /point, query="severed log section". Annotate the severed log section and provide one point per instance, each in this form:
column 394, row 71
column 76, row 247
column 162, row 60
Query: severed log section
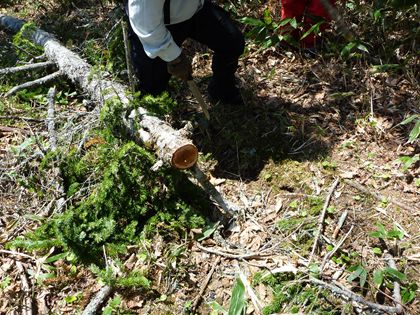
column 171, row 146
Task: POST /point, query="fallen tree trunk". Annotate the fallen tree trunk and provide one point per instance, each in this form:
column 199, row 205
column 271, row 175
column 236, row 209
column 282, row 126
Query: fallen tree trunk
column 170, row 145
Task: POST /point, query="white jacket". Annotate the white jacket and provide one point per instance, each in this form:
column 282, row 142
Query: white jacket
column 147, row 20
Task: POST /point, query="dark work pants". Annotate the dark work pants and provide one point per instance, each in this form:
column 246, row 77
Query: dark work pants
column 211, row 26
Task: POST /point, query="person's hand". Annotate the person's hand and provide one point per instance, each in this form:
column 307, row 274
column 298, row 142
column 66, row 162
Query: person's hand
column 180, row 67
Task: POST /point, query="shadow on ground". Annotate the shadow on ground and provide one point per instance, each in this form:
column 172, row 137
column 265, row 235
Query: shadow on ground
column 243, row 139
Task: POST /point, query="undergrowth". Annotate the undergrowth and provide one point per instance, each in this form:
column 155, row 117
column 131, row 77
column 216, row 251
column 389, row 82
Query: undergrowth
column 126, row 199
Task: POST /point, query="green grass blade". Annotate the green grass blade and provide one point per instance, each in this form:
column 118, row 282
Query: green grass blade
column 237, row 303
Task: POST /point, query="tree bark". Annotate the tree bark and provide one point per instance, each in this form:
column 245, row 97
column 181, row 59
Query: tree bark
column 29, row 67
column 172, row 147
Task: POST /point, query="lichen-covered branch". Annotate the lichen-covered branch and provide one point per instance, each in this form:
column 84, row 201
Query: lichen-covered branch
column 28, row 67
column 176, row 150
column 35, row 83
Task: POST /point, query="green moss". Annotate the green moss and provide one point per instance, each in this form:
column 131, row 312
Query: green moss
column 290, row 295
column 133, row 279
column 28, row 49
column 160, row 105
column 289, row 224
column 315, row 205
column 287, row 175
column 129, row 200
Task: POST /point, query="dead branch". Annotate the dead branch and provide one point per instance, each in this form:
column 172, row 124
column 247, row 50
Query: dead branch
column 50, row 121
column 212, row 191
column 12, row 167
column 127, row 49
column 93, row 307
column 205, row 284
column 232, row 256
column 35, row 83
column 170, row 145
column 322, row 218
column 336, row 288
column 12, row 117
column 379, row 196
column 13, row 253
column 50, row 118
column 27, row 303
column 396, row 293
column 336, row 247
column 340, row 224
column 258, row 306
column 28, row 67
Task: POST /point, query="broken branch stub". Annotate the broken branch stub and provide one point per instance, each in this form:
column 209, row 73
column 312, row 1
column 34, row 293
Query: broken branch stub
column 171, row 146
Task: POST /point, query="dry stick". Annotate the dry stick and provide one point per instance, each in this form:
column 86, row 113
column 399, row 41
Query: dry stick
column 29, row 67
column 336, row 247
column 35, row 83
column 53, row 144
column 340, row 224
column 50, row 118
column 205, row 284
column 338, row 289
column 127, row 49
column 12, row 117
column 379, row 196
column 93, row 307
column 232, row 256
column 211, row 190
column 27, row 303
column 9, row 252
column 396, row 293
column 322, row 218
column 254, row 299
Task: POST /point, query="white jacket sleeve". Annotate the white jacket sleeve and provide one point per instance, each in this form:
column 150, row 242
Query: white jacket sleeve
column 147, row 21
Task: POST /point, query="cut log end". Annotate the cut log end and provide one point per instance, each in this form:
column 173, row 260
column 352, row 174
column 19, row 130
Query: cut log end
column 185, row 157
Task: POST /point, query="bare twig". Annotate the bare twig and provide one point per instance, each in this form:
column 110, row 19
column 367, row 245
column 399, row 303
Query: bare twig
column 10, row 167
column 258, row 306
column 211, row 190
column 232, row 256
column 336, row 288
column 322, row 218
column 379, row 196
column 44, row 80
column 340, row 224
column 50, row 121
column 205, row 284
column 396, row 293
column 14, row 117
column 23, row 50
column 336, row 247
column 50, row 118
column 93, row 307
column 27, row 303
column 128, row 61
column 28, row 67
column 13, row 253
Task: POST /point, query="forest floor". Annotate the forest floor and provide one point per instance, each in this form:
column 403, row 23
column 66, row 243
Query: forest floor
column 307, row 122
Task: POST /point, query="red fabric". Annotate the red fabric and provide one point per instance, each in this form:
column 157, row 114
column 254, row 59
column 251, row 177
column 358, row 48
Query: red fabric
column 302, row 10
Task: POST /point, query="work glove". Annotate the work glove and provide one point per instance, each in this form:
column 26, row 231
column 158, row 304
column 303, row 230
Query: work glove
column 180, row 67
